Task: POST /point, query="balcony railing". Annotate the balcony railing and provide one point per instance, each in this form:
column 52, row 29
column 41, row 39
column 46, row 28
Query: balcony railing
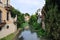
column 2, row 23
column 7, row 7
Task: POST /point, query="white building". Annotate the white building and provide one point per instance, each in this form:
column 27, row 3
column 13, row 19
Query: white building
column 39, row 15
column 41, row 18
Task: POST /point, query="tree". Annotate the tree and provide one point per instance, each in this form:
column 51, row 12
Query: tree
column 52, row 18
column 26, row 14
column 33, row 22
column 20, row 16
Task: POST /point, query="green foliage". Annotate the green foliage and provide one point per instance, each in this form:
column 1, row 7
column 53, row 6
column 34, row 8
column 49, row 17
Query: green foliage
column 20, row 16
column 24, row 24
column 36, row 26
column 26, row 14
column 33, row 21
column 52, row 18
column 41, row 32
column 9, row 37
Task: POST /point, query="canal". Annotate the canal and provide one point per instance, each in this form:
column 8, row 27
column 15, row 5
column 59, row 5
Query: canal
column 28, row 35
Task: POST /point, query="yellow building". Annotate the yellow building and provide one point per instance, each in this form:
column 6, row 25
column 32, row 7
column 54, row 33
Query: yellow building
column 7, row 25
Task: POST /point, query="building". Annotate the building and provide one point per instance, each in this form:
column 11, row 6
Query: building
column 7, row 23
column 39, row 16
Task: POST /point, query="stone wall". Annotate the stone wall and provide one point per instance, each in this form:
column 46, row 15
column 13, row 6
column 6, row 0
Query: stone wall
column 4, row 12
column 7, row 29
column 5, row 1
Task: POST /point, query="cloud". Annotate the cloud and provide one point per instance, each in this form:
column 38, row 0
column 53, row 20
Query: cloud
column 29, row 6
column 30, row 2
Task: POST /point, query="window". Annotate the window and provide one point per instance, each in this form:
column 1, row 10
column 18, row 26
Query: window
column 0, row 1
column 0, row 28
column 7, row 27
column 7, row 15
column 0, row 15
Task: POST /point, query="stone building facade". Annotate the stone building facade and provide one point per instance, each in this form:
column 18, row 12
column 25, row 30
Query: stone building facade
column 7, row 23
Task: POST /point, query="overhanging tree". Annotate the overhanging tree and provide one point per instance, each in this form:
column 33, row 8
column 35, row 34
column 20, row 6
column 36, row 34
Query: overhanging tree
column 52, row 20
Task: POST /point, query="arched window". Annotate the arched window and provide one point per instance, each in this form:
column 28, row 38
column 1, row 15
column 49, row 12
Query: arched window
column 0, row 15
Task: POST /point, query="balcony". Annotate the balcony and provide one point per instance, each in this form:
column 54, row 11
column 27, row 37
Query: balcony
column 7, row 7
column 2, row 23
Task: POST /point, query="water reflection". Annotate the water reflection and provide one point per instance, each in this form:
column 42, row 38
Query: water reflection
column 27, row 35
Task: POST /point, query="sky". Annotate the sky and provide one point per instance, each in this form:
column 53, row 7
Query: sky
column 27, row 6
